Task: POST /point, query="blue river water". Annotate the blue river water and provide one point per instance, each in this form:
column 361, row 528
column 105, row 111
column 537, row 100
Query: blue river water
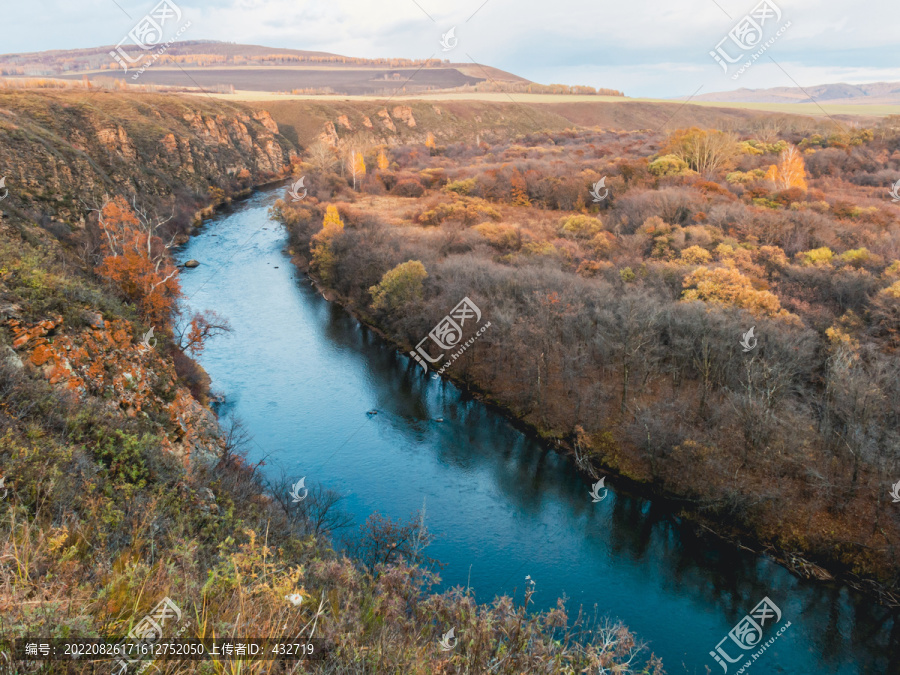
column 302, row 373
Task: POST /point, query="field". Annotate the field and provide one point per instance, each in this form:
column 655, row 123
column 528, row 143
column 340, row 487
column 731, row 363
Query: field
column 353, row 81
column 811, row 109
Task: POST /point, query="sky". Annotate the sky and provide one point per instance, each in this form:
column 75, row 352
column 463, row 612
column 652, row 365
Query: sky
column 640, row 47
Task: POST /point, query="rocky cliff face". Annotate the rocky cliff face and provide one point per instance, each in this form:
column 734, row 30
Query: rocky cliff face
column 60, row 153
column 62, row 150
column 331, row 122
column 106, row 362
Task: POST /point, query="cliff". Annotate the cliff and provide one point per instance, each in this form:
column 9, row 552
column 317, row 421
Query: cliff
column 62, row 150
column 306, row 121
column 60, row 154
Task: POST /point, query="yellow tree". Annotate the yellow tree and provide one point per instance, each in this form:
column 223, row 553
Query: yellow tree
column 429, row 140
column 727, row 286
column 323, row 259
column 332, row 221
column 382, row 160
column 357, row 167
column 399, row 286
column 790, row 170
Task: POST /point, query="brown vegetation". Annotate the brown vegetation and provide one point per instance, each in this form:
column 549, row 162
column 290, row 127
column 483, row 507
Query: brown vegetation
column 617, row 328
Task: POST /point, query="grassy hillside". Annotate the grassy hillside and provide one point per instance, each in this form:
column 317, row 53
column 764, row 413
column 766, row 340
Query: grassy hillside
column 457, row 120
column 396, row 122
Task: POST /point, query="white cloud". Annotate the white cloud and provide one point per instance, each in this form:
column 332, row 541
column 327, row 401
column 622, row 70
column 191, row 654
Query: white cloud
column 642, row 48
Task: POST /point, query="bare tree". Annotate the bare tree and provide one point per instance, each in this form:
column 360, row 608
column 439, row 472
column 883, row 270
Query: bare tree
column 192, row 333
column 628, row 331
column 321, row 156
column 318, row 511
column 767, row 129
column 705, row 151
column 235, row 442
column 382, row 541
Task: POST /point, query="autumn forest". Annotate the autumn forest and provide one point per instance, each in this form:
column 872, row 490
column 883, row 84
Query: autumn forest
column 619, row 271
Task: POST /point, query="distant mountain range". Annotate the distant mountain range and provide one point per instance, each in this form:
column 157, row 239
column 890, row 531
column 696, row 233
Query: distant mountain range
column 876, row 93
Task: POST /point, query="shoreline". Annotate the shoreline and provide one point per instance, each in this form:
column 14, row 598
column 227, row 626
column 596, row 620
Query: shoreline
column 686, row 511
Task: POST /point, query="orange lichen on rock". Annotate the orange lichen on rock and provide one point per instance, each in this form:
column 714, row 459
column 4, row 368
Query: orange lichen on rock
column 111, row 364
column 41, row 354
column 22, row 335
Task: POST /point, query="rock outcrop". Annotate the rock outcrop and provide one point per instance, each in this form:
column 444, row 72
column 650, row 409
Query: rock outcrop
column 386, row 120
column 105, row 361
column 264, row 118
column 404, row 114
column 329, row 135
column 115, row 139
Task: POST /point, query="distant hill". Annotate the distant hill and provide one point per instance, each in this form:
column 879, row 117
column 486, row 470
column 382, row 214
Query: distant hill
column 221, row 66
column 876, row 93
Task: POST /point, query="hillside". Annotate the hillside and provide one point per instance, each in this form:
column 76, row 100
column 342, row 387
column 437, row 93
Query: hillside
column 876, row 93
column 216, row 65
column 305, row 121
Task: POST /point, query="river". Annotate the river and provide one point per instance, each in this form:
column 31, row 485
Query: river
column 302, row 374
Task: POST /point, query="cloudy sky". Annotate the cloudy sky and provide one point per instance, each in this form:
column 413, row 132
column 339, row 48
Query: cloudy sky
column 640, row 47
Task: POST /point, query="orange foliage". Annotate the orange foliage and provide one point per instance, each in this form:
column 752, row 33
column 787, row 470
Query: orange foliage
column 200, row 329
column 519, row 189
column 790, row 172
column 137, row 261
column 382, row 160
